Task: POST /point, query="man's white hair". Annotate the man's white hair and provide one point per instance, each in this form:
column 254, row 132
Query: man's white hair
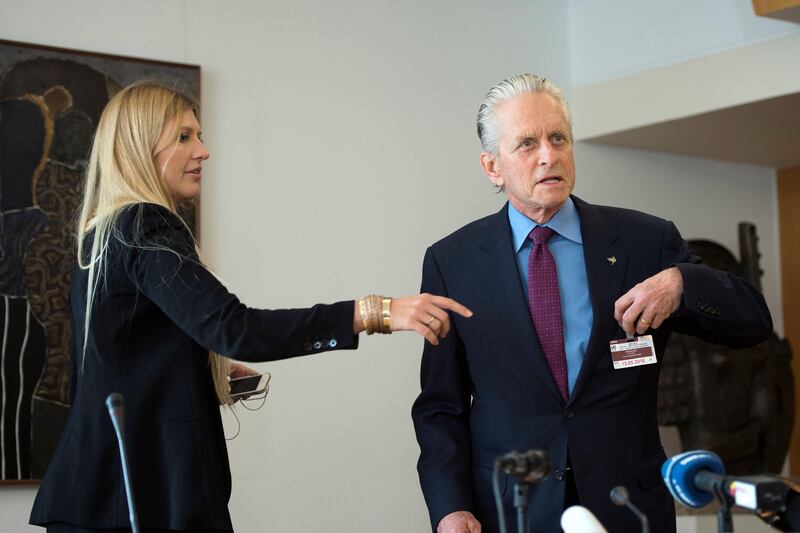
column 488, row 131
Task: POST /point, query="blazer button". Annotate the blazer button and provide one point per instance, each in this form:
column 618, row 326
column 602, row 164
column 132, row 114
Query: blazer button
column 332, row 343
column 569, row 414
column 307, row 347
column 560, row 475
column 317, row 345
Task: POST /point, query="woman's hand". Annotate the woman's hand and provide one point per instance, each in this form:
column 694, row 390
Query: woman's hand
column 426, row 314
column 238, row 370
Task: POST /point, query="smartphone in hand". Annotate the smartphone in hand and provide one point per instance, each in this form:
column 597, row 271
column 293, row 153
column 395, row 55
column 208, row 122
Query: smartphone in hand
column 247, row 386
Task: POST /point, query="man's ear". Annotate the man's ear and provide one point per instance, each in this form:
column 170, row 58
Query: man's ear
column 491, row 168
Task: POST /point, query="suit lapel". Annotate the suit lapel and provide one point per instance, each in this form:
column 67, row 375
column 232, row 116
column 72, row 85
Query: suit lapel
column 605, row 271
column 499, row 269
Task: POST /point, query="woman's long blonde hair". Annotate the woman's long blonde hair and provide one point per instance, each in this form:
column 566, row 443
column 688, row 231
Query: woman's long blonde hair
column 121, row 172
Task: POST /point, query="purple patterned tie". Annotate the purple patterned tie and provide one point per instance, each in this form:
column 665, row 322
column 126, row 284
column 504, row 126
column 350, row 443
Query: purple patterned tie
column 544, row 301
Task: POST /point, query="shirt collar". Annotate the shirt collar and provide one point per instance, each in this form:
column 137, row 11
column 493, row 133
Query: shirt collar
column 566, row 222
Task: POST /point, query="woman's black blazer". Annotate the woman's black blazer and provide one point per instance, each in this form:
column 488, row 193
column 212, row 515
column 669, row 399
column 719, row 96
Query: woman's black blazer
column 156, row 315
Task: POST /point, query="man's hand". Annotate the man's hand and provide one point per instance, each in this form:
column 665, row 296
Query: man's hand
column 650, row 303
column 459, row 522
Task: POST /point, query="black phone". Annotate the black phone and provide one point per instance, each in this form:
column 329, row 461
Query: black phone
column 242, row 388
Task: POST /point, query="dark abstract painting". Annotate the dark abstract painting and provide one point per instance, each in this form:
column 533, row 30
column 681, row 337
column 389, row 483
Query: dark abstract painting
column 50, row 103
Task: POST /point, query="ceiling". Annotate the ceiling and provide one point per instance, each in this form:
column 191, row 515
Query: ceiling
column 764, row 132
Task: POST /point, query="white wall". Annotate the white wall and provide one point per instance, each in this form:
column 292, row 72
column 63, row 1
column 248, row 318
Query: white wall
column 343, row 143
column 612, row 38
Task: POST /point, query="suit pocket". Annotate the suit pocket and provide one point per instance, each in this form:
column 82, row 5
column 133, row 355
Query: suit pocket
column 649, row 470
column 482, row 481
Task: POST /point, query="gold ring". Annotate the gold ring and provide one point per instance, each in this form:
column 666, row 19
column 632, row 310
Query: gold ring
column 645, row 322
column 430, row 320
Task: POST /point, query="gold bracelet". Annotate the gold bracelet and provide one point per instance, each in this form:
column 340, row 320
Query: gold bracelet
column 368, row 315
column 375, row 313
column 362, row 309
column 371, row 313
column 386, row 313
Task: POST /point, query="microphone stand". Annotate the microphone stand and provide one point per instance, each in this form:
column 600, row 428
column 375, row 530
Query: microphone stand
column 522, row 498
column 529, row 468
column 620, row 496
column 724, row 518
column 115, row 405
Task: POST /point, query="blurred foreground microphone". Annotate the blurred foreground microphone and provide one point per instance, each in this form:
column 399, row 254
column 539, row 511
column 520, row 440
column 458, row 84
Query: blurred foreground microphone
column 579, row 519
column 528, row 467
column 116, row 410
column 620, row 496
column 531, row 466
column 694, row 478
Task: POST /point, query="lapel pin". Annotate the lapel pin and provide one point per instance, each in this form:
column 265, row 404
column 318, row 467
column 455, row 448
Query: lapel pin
column 612, row 260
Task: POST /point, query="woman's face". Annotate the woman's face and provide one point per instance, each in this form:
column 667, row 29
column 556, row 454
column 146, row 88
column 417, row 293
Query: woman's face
column 179, row 164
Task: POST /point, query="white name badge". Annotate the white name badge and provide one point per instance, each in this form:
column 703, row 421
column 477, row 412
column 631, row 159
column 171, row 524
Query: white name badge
column 626, row 353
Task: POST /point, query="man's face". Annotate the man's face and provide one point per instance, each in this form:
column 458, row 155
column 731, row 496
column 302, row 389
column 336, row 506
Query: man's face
column 534, row 160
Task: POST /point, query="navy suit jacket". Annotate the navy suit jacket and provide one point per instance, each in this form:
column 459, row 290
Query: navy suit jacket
column 487, row 389
column 157, row 313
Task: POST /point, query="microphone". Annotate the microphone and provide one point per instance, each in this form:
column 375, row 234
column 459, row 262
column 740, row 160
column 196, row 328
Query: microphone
column 620, row 496
column 789, row 518
column 577, row 519
column 531, row 466
column 116, row 410
column 680, row 474
column 695, row 477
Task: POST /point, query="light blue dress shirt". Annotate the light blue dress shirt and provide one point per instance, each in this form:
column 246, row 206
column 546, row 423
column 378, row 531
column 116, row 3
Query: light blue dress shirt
column 567, row 249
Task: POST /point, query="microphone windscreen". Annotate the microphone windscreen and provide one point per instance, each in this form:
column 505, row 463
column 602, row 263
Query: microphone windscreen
column 115, row 403
column 619, row 495
column 579, row 519
column 679, row 473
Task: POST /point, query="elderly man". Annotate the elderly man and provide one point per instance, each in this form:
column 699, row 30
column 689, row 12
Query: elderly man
column 554, row 282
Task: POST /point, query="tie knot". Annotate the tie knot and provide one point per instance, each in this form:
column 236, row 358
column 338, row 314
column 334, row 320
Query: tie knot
column 541, row 234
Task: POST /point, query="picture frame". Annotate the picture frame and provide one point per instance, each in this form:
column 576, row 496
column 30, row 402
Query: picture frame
column 50, row 102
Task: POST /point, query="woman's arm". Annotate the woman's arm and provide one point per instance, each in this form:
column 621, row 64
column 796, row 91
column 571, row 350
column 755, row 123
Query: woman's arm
column 424, row 313
column 165, row 268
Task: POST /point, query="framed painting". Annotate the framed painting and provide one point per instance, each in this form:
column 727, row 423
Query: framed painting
column 50, row 102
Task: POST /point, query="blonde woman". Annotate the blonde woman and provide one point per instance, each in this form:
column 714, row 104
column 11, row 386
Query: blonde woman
column 146, row 316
